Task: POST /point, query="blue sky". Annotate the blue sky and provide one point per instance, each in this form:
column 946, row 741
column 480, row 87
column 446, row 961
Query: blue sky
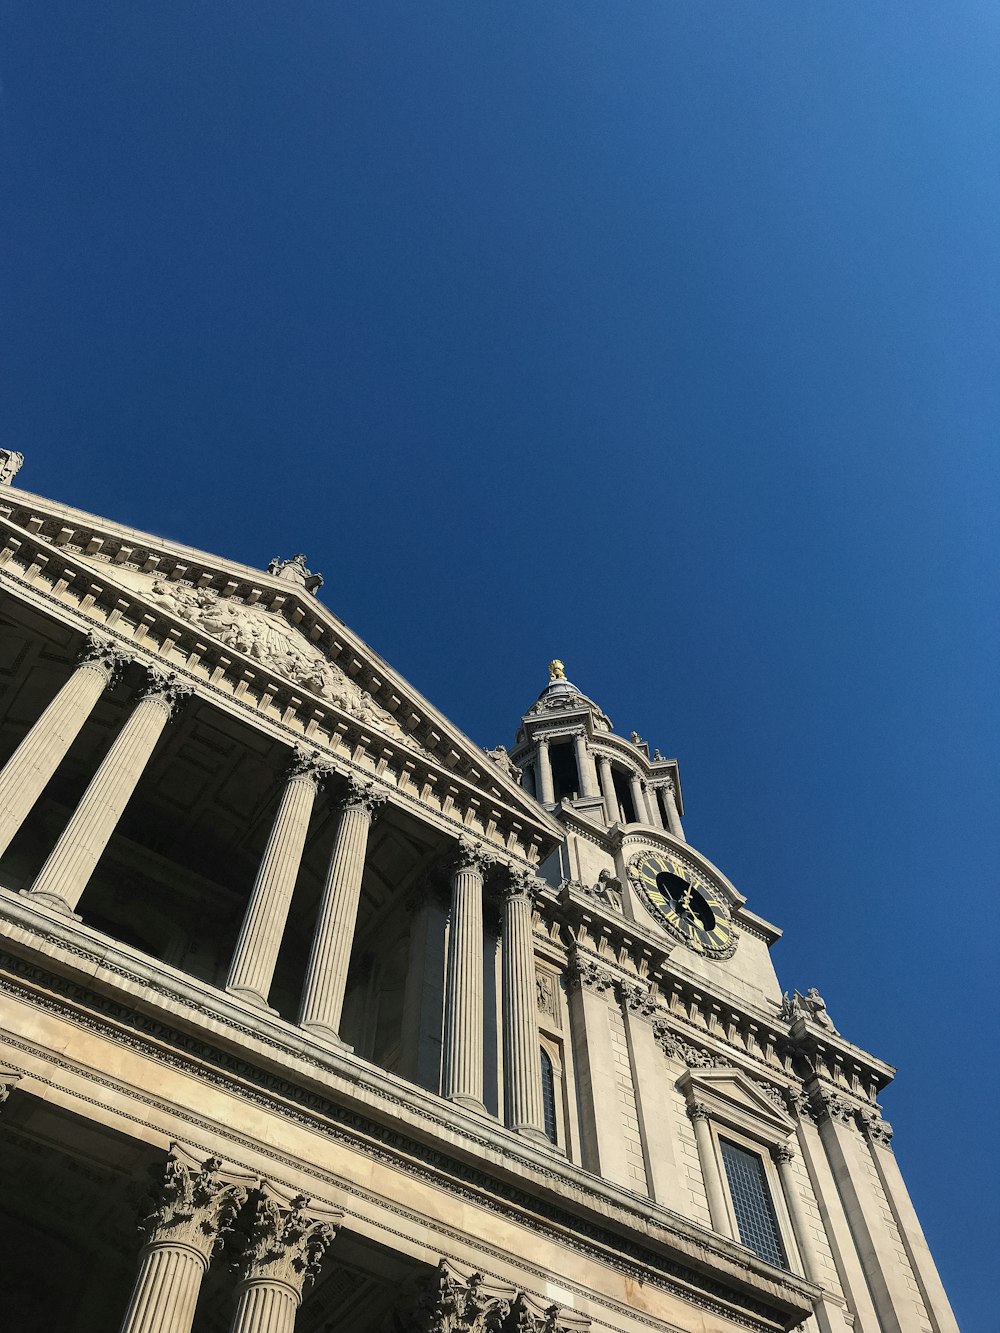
column 661, row 337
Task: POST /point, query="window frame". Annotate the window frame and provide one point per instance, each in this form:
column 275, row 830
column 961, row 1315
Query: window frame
column 738, row 1111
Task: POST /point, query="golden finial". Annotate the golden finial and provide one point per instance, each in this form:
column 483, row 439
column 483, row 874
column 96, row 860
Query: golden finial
column 556, row 670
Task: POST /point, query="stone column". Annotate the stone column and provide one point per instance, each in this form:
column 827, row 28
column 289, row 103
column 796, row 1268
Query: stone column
column 285, row 1249
column 608, row 789
column 521, row 1061
column 670, row 802
column 879, row 1136
column 546, row 791
column 828, row 1319
column 326, row 976
column 462, row 1062
column 585, row 766
column 638, row 799
column 699, row 1115
column 652, row 806
column 257, row 948
column 195, row 1206
column 66, row 873
column 28, row 770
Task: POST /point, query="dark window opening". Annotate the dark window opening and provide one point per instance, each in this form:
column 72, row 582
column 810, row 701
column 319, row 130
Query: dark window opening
column 623, row 791
column 565, row 781
column 549, row 1096
column 752, row 1204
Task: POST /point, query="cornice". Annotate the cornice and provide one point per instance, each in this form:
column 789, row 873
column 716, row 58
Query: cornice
column 113, row 992
column 293, row 714
column 56, row 547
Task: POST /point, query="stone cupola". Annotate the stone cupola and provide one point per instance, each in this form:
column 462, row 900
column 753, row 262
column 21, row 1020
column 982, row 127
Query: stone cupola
column 569, row 755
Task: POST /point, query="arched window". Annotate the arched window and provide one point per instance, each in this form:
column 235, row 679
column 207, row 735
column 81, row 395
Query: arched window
column 549, row 1095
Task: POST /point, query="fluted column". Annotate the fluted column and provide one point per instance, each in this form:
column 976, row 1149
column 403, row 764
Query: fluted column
column 326, row 976
column 462, row 1063
column 638, row 799
column 287, row 1243
column 652, row 806
column 195, row 1207
column 608, row 788
column 521, row 1060
column 66, row 873
column 546, row 792
column 28, row 770
column 585, row 766
column 257, row 948
column 670, row 803
column 699, row 1114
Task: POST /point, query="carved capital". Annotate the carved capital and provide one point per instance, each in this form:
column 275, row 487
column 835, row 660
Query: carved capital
column 698, row 1111
column 361, row 795
column 783, row 1153
column 519, row 882
column 876, row 1129
column 308, row 764
column 10, row 464
column 450, row 1303
column 285, row 1240
column 588, row 974
column 637, row 997
column 834, row 1107
column 102, row 655
column 166, row 688
column 671, row 1044
column 193, row 1204
column 471, row 855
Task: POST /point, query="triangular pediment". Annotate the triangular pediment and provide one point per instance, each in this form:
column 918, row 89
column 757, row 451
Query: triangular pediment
column 168, row 593
column 734, row 1098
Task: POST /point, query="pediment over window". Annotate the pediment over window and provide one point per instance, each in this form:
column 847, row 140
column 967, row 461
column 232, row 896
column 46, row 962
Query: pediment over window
column 734, row 1099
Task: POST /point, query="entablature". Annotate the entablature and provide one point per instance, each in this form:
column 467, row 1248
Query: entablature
column 454, row 795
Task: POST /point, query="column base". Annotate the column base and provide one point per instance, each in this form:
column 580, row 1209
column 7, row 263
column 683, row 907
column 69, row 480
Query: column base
column 53, row 902
column 533, row 1133
column 252, row 997
column 470, row 1103
column 327, row 1033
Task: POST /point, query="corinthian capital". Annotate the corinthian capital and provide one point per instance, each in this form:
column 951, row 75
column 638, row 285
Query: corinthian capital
column 518, row 881
column 166, row 688
column 471, row 855
column 104, row 656
column 9, row 1078
column 876, row 1129
column 308, row 764
column 362, row 795
column 193, row 1204
column 287, row 1239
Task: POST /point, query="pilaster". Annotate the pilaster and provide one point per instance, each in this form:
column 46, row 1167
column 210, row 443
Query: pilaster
column 590, row 987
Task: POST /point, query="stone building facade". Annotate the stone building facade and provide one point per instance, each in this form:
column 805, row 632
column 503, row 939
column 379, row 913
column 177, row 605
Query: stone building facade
column 316, row 1016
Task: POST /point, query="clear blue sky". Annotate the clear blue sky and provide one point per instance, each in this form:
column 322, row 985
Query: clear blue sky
column 661, row 337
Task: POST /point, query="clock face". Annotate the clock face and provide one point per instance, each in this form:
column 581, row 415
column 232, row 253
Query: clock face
column 686, row 902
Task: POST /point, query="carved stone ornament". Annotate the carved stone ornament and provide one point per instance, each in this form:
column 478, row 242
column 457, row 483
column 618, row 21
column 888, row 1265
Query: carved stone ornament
column 450, row 1303
column 547, row 996
column 877, row 1129
column 783, row 1152
column 588, row 973
column 776, row 1096
column 361, row 795
column 284, row 1241
column 810, row 1006
column 673, row 1045
column 193, row 1205
column 698, row 1111
column 836, row 1108
column 637, row 997
column 165, row 687
column 266, row 637
column 10, row 465
column 308, row 764
column 471, row 855
column 9, row 1079
column 519, row 881
column 101, row 653
column 504, row 762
